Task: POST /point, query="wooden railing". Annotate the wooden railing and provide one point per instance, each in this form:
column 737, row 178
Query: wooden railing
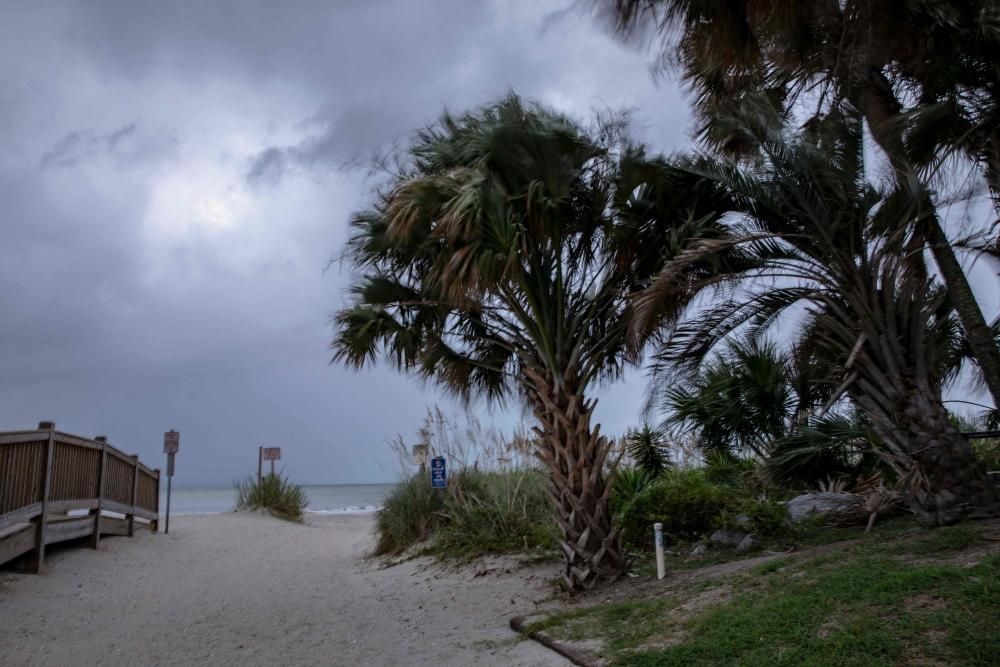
column 45, row 475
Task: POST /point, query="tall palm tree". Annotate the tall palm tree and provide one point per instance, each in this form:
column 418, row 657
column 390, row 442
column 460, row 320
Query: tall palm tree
column 499, row 265
column 923, row 75
column 839, row 248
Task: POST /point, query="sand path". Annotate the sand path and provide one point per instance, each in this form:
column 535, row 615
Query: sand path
column 252, row 590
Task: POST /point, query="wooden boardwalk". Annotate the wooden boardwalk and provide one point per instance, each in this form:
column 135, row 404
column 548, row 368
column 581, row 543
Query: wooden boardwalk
column 56, row 487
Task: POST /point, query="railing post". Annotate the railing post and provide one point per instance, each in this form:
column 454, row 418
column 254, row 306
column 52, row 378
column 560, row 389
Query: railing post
column 155, row 524
column 39, row 558
column 95, row 539
column 135, row 490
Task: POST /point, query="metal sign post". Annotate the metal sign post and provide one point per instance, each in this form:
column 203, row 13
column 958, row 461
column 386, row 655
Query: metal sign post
column 272, row 454
column 171, row 443
column 439, row 473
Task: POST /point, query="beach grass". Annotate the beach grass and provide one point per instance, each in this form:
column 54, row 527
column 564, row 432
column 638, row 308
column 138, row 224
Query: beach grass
column 274, row 492
column 479, row 513
column 409, row 515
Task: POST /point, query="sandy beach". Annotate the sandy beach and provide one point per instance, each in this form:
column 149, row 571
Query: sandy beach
column 247, row 589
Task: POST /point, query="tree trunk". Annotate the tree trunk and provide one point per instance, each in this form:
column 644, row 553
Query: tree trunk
column 943, row 481
column 887, row 334
column 993, row 169
column 974, row 324
column 880, row 108
column 575, row 454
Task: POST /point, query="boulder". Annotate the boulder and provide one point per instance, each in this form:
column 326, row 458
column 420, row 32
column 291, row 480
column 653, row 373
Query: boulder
column 821, row 504
column 698, row 552
column 745, row 544
column 727, row 537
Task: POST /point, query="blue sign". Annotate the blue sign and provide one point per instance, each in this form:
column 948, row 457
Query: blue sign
column 439, row 473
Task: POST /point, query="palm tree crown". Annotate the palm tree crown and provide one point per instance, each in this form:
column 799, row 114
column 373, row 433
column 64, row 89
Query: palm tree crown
column 488, row 257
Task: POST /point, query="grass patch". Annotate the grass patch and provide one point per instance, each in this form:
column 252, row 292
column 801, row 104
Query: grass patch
column 620, row 626
column 772, row 566
column 941, row 540
column 861, row 606
column 273, row 492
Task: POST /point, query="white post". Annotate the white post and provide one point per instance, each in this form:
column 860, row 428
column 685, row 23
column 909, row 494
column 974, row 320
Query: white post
column 661, row 570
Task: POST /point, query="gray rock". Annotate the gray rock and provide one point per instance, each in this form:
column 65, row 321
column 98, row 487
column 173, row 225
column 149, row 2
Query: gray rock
column 743, row 521
column 730, row 538
column 698, row 552
column 745, row 544
column 821, row 504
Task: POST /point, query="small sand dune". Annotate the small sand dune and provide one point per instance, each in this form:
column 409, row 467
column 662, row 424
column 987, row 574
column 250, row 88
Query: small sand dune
column 247, row 589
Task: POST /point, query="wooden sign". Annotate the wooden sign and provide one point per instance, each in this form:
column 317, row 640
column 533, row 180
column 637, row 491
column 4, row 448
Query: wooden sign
column 272, row 453
column 420, row 454
column 171, row 442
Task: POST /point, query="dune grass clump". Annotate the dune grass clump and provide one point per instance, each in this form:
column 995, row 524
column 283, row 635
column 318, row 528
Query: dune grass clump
column 496, row 512
column 410, row 514
column 274, row 492
column 481, row 512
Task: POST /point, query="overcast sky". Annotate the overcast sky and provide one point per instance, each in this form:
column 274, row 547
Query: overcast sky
column 174, row 179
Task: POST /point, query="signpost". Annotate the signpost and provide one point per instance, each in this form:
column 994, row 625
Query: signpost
column 439, row 473
column 271, row 454
column 171, row 443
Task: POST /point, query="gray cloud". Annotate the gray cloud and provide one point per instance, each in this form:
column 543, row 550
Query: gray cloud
column 338, row 139
column 149, row 280
column 84, row 144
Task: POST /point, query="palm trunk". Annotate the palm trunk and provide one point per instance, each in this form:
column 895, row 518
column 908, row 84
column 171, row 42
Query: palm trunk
column 944, row 480
column 993, row 169
column 880, row 108
column 575, row 454
column 977, row 331
column 890, row 315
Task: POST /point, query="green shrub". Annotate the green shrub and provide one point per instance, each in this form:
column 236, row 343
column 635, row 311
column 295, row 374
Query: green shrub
column 409, row 515
column 628, row 483
column 684, row 501
column 767, row 517
column 729, row 470
column 273, row 492
column 988, row 451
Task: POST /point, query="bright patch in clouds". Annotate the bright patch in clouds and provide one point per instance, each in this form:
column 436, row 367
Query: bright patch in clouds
column 196, row 197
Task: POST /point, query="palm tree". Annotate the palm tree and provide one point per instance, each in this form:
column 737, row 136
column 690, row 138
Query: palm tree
column 827, row 447
column 499, row 264
column 922, row 74
column 836, row 251
column 647, row 448
column 737, row 403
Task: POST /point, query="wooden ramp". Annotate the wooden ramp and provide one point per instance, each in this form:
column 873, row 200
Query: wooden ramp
column 56, row 487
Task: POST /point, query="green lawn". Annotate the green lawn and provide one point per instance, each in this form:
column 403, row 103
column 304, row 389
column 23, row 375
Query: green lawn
column 932, row 599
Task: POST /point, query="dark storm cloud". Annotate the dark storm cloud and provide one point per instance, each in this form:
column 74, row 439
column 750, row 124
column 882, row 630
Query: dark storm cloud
column 340, row 139
column 84, row 144
column 174, row 183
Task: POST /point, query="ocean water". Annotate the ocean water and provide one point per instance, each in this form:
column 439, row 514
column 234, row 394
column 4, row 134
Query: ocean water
column 327, row 498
